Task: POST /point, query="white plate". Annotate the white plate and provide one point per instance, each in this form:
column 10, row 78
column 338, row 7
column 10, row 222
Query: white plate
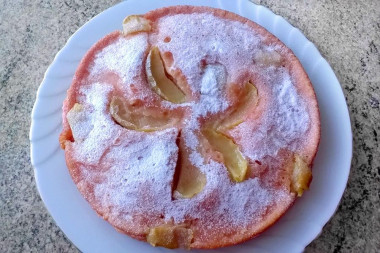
column 292, row 233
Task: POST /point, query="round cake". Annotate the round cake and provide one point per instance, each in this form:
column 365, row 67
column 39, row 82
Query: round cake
column 193, row 127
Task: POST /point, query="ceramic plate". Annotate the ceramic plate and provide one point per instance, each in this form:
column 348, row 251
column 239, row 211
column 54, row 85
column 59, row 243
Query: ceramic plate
column 90, row 233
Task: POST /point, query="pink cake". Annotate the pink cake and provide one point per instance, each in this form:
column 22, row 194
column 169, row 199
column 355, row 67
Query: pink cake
column 210, row 158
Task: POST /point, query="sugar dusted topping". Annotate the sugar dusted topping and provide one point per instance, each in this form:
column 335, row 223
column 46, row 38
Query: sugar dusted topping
column 214, row 40
column 92, row 124
column 138, row 168
column 125, row 57
column 280, row 126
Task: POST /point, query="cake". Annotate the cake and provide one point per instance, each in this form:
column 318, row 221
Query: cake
column 193, row 127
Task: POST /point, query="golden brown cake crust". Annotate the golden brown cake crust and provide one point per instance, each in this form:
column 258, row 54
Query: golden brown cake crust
column 203, row 237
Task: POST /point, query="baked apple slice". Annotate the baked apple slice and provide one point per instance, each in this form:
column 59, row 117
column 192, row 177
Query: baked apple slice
column 300, row 176
column 188, row 179
column 77, row 118
column 248, row 101
column 268, row 58
column 236, row 164
column 170, row 236
column 138, row 120
column 134, row 24
column 158, row 79
column 191, row 181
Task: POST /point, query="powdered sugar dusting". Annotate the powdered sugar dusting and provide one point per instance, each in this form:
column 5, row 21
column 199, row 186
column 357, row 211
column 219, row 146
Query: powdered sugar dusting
column 137, row 168
column 232, row 45
column 281, row 125
column 211, row 39
column 141, row 173
column 125, row 57
column 94, row 124
column 213, row 82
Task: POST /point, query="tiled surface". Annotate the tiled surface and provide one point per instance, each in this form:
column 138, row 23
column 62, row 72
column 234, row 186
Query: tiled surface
column 346, row 32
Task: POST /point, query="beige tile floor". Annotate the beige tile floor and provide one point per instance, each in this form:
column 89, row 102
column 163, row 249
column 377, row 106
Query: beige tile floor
column 347, row 32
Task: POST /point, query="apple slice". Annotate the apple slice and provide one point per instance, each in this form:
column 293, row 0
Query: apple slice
column 268, row 58
column 135, row 119
column 170, row 236
column 188, row 179
column 134, row 24
column 159, row 81
column 300, row 177
column 233, row 159
column 78, row 119
column 191, row 180
column 247, row 102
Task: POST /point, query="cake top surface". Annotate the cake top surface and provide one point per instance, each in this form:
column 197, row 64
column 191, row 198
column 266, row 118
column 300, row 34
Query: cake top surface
column 131, row 172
